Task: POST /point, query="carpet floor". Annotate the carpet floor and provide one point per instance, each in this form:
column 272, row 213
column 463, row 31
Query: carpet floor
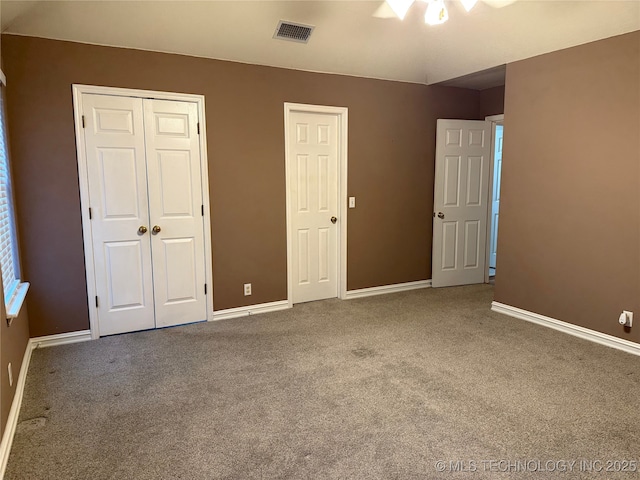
column 415, row 385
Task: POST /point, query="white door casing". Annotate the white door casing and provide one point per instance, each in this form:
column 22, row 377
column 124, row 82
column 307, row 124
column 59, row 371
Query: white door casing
column 460, row 202
column 114, row 135
column 175, row 203
column 180, row 154
column 495, row 195
column 315, row 146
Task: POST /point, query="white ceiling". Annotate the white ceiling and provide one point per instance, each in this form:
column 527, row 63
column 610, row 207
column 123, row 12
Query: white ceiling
column 348, row 38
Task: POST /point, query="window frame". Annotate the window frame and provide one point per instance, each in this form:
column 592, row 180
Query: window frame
column 17, row 290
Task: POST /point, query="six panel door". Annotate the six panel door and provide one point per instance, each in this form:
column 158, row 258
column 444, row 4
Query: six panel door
column 460, row 202
column 313, row 170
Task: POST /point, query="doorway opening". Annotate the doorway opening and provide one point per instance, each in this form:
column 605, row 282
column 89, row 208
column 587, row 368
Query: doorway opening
column 495, row 176
column 466, row 201
column 316, row 189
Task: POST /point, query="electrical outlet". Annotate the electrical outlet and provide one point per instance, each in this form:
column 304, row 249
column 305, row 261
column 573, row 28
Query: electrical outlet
column 247, row 289
column 10, row 374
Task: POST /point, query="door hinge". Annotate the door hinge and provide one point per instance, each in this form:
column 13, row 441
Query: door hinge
column 202, row 209
column 90, row 214
column 198, row 124
column 205, row 288
column 96, row 301
column 82, row 121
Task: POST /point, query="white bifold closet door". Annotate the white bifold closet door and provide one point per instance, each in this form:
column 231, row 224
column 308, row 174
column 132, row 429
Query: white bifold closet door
column 145, row 190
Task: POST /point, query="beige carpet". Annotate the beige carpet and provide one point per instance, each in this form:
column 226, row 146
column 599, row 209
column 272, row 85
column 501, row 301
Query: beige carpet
column 382, row 387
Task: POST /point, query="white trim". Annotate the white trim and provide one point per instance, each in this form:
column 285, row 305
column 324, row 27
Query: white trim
column 78, row 90
column 12, row 420
column 61, row 339
column 495, row 118
column 251, row 310
column 15, row 304
column 83, row 180
column 132, row 92
column 343, row 134
column 575, row 330
column 204, row 173
column 344, row 208
column 384, row 289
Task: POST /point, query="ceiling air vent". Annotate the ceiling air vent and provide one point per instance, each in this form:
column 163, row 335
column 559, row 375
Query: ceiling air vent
column 294, row 32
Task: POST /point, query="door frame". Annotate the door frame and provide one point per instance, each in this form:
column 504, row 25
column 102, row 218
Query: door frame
column 495, row 120
column 78, row 90
column 343, row 119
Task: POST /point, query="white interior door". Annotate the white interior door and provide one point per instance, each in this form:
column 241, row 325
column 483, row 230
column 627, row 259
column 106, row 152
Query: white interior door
column 460, row 202
column 147, row 229
column 175, row 206
column 313, row 148
column 117, row 174
column 495, row 195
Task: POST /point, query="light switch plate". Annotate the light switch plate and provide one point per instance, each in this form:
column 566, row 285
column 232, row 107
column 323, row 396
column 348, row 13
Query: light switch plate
column 352, row 202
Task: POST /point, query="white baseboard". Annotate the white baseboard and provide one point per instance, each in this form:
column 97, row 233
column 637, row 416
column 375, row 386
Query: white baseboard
column 61, row 339
column 250, row 310
column 12, row 420
column 398, row 287
column 284, row 304
column 575, row 330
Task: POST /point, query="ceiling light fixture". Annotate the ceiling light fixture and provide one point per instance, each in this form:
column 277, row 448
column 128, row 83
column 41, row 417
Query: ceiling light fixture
column 400, row 7
column 436, row 13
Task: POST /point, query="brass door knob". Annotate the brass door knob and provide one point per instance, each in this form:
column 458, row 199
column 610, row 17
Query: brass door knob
column 142, row 230
column 334, row 219
column 440, row 215
column 155, row 230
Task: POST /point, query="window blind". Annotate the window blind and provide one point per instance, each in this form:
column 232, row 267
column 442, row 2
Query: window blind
column 8, row 244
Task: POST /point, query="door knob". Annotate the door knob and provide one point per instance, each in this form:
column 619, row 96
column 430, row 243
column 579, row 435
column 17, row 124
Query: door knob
column 142, row 230
column 156, row 229
column 334, row 219
column 440, row 215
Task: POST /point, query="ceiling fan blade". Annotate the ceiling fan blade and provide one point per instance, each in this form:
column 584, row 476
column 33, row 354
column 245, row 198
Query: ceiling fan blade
column 384, row 11
column 498, row 3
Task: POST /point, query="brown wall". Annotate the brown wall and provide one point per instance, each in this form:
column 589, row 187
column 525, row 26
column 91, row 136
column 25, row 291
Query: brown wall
column 14, row 344
column 569, row 240
column 492, row 101
column 391, row 166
